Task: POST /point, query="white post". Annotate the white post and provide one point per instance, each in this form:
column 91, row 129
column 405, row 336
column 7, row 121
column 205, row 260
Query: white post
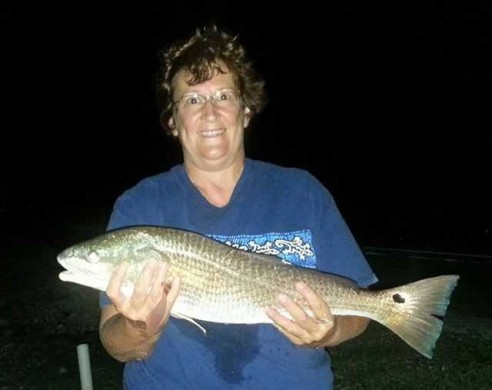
column 84, row 367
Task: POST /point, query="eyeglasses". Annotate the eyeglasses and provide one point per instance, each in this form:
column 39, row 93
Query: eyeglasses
column 224, row 98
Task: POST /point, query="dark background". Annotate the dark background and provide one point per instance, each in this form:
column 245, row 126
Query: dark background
column 366, row 96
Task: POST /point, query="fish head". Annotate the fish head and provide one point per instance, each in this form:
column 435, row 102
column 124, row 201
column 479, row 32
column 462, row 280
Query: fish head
column 91, row 263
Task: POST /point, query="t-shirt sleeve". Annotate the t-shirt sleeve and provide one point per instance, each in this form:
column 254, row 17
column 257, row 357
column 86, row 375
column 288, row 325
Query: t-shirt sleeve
column 337, row 251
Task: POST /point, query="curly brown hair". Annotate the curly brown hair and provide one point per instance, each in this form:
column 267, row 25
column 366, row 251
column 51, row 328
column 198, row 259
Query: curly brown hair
column 202, row 54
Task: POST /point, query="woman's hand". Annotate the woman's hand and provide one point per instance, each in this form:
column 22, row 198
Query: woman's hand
column 149, row 306
column 302, row 329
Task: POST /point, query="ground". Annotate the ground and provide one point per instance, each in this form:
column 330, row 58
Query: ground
column 43, row 320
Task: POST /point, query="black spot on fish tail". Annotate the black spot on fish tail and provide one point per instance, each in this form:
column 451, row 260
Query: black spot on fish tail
column 398, row 298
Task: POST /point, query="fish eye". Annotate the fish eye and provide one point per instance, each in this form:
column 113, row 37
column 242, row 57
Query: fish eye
column 93, row 257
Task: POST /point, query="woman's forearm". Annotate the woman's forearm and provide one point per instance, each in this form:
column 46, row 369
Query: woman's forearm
column 126, row 341
column 346, row 328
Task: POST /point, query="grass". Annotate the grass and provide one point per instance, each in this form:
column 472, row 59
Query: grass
column 379, row 360
column 43, row 320
column 51, row 364
column 376, row 360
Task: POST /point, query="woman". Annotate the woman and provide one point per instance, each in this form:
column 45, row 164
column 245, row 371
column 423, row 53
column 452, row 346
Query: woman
column 209, row 93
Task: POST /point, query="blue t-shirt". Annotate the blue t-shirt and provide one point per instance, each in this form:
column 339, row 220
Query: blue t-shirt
column 274, row 210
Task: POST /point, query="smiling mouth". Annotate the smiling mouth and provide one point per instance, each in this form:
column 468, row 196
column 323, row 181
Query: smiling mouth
column 211, row 133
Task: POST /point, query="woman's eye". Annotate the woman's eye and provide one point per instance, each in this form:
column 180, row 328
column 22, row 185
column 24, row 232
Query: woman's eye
column 192, row 100
column 225, row 96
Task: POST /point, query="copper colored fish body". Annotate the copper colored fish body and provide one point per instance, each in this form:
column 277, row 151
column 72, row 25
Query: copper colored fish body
column 220, row 283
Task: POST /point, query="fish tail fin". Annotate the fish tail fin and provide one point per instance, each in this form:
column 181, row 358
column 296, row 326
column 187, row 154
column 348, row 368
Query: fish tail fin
column 417, row 310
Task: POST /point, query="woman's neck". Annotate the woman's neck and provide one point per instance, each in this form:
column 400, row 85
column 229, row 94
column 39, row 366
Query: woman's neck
column 216, row 186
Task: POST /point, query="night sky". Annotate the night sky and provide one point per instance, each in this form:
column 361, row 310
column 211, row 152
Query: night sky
column 366, row 97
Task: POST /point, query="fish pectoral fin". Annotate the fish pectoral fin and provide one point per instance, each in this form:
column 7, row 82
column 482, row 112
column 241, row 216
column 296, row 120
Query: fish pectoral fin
column 152, row 254
column 183, row 317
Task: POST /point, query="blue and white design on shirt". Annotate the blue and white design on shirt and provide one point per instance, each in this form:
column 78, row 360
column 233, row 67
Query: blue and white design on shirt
column 291, row 247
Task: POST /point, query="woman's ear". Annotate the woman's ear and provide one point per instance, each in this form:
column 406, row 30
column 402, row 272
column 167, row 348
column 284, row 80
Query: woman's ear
column 172, row 126
column 247, row 117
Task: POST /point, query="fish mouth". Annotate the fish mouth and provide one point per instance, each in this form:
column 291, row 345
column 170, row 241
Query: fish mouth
column 70, row 263
column 81, row 272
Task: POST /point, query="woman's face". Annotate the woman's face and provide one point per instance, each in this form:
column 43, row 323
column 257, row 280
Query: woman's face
column 209, row 120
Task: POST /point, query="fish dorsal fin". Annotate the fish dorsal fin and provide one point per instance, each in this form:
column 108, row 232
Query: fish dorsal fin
column 267, row 258
column 183, row 317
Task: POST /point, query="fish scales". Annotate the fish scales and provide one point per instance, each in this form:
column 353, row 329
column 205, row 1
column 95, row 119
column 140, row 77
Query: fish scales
column 220, row 283
column 223, row 284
